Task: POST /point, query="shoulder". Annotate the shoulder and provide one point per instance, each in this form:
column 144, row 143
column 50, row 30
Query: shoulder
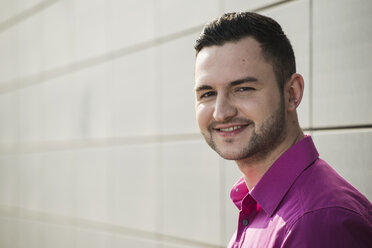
column 330, row 212
column 330, row 227
column 321, row 187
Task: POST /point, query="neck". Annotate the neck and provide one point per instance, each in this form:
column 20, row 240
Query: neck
column 253, row 169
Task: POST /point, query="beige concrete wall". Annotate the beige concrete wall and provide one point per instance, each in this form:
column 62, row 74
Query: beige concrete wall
column 98, row 142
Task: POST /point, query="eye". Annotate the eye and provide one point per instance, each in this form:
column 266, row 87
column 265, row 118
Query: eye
column 242, row 89
column 207, row 94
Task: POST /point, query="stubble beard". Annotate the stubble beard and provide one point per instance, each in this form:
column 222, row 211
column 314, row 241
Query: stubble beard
column 262, row 142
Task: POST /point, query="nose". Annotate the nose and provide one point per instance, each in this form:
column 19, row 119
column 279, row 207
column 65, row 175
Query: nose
column 223, row 109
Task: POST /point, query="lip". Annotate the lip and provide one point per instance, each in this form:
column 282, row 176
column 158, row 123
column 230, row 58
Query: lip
column 241, row 128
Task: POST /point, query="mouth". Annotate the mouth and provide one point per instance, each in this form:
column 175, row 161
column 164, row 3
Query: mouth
column 230, row 130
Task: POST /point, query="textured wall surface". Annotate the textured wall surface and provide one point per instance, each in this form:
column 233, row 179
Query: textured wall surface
column 99, row 145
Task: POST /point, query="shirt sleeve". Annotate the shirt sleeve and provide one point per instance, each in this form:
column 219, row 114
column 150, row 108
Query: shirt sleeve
column 328, row 228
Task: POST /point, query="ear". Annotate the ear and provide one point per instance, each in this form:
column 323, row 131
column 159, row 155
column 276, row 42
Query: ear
column 294, row 90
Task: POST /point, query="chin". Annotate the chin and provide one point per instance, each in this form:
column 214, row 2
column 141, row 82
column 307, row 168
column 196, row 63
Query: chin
column 230, row 155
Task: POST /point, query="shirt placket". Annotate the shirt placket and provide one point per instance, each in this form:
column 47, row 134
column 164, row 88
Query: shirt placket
column 246, row 216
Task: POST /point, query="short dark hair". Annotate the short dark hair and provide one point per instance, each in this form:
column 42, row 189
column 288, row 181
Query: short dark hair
column 276, row 48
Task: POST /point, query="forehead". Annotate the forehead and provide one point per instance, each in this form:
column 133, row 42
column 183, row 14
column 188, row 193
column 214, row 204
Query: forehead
column 229, row 61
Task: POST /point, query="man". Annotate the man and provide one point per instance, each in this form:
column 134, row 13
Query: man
column 247, row 92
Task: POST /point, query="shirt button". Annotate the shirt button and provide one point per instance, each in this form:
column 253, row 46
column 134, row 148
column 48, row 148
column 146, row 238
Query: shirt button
column 245, row 222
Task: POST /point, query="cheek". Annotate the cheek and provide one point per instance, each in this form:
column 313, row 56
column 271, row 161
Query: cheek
column 259, row 106
column 204, row 114
column 250, row 108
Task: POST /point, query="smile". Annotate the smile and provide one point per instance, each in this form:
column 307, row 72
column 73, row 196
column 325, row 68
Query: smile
column 229, row 129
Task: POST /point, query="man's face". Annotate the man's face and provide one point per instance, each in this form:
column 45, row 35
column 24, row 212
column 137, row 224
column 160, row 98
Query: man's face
column 239, row 108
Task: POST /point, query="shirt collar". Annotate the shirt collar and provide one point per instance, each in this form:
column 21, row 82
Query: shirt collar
column 276, row 182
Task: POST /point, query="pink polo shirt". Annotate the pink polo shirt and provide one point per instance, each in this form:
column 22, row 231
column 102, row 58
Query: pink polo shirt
column 301, row 202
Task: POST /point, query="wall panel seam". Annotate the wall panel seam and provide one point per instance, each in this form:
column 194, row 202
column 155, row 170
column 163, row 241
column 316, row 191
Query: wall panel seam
column 348, row 127
column 26, row 81
column 20, row 17
column 273, row 5
column 45, row 217
column 311, row 94
column 62, row 145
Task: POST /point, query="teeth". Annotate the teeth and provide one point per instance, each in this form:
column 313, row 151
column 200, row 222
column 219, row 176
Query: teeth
column 230, row 128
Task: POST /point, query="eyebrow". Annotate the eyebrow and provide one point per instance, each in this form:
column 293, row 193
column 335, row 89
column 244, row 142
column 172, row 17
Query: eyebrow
column 231, row 84
column 203, row 87
column 243, row 80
